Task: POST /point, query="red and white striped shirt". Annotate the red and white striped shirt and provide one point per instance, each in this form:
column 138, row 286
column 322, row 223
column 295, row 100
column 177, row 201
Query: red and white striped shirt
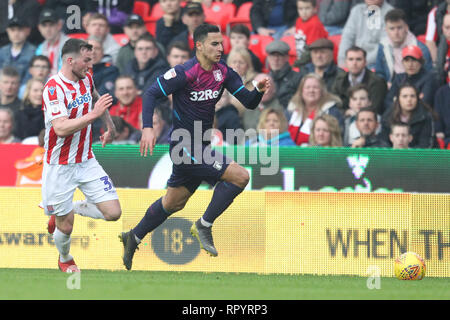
column 65, row 98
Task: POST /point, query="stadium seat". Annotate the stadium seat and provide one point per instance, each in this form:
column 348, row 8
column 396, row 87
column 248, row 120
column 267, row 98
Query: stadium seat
column 422, row 38
column 156, row 11
column 258, row 45
column 41, row 2
column 141, row 8
column 121, row 38
column 219, row 13
column 242, row 16
column 336, row 40
column 83, row 36
column 290, row 40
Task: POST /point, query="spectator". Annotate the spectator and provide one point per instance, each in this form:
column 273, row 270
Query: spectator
column 160, row 127
column 39, row 69
column 358, row 73
column 333, row 14
column 27, row 10
column 436, row 21
column 227, row 117
column 104, row 73
column 442, row 108
column 7, row 126
column 129, row 105
column 425, row 80
column 308, row 27
column 125, row 133
column 19, row 52
column 134, row 28
column 322, row 62
column 389, row 56
column 177, row 53
column 364, row 28
column 400, row 136
column 50, row 28
column 240, row 37
column 443, row 53
column 325, row 132
column 368, row 126
column 9, row 88
column 311, row 100
column 239, row 59
column 409, row 108
column 359, row 99
column 269, row 100
column 273, row 17
column 29, row 118
column 285, row 78
column 146, row 65
column 192, row 16
column 116, row 12
column 416, row 13
column 170, row 24
column 97, row 26
column 272, row 130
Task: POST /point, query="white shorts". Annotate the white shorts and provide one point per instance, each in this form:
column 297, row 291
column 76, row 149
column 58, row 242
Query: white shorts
column 60, row 181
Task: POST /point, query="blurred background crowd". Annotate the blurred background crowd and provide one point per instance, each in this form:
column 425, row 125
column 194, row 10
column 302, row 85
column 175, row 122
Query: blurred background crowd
column 367, row 73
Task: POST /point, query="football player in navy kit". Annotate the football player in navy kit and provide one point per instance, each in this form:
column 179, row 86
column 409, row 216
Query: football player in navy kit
column 196, row 86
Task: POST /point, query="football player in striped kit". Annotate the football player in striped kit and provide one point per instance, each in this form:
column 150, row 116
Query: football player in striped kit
column 70, row 105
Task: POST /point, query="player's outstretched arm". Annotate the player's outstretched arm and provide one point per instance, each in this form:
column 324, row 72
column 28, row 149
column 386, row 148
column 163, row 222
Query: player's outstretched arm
column 64, row 126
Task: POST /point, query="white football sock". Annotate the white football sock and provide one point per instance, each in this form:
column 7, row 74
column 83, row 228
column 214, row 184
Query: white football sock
column 62, row 243
column 86, row 209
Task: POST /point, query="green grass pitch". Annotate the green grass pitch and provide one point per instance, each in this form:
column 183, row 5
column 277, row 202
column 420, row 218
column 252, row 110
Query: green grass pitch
column 137, row 285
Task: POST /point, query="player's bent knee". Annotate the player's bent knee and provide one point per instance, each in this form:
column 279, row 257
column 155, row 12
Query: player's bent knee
column 113, row 215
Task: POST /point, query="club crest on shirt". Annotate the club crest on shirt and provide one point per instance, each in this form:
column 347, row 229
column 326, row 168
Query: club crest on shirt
column 217, row 75
column 170, row 74
column 51, row 90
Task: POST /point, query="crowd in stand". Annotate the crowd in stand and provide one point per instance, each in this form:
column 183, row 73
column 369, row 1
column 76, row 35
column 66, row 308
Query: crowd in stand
column 356, row 73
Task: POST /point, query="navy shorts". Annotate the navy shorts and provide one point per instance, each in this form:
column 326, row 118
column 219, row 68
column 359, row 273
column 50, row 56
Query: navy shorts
column 191, row 175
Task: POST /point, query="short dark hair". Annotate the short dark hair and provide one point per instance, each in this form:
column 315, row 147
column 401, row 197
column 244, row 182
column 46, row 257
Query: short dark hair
column 98, row 16
column 147, row 37
column 241, row 29
column 395, row 15
column 313, row 2
column 367, row 109
column 356, row 48
column 400, row 124
column 124, row 76
column 9, row 72
column 40, row 58
column 360, row 86
column 74, row 46
column 183, row 46
column 201, row 32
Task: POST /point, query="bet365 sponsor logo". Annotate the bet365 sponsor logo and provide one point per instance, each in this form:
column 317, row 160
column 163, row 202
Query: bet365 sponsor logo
column 85, row 98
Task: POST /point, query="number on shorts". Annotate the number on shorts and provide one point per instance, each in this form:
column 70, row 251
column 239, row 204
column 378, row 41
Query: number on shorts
column 106, row 181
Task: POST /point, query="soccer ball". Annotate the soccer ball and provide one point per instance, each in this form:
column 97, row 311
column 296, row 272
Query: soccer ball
column 410, row 266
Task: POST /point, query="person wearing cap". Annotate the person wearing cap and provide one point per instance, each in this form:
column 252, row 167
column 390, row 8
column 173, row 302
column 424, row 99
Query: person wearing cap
column 192, row 16
column 134, row 28
column 424, row 80
column 170, row 24
column 26, row 10
column 322, row 62
column 398, row 36
column 50, row 27
column 442, row 108
column 285, row 78
column 19, row 51
column 358, row 73
column 98, row 26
